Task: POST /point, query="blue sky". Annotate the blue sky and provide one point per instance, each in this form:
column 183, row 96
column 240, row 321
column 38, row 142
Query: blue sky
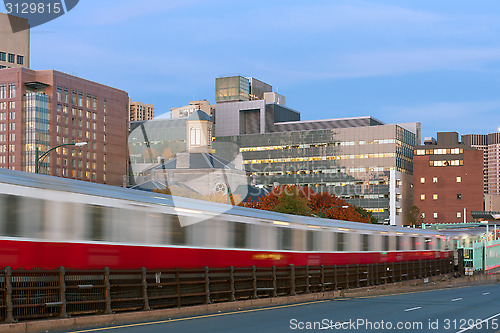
column 437, row 62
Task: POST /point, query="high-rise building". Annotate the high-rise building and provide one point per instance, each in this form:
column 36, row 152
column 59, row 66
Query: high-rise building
column 187, row 110
column 447, row 179
column 490, row 145
column 139, row 111
column 14, row 47
column 47, row 108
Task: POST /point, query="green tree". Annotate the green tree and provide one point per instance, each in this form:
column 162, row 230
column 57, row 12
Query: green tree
column 291, row 202
column 414, row 216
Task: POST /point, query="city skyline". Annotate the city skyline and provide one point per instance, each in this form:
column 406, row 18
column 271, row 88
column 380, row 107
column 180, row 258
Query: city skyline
column 398, row 62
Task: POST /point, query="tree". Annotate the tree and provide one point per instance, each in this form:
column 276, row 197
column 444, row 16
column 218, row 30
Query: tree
column 294, row 199
column 292, row 203
column 414, row 216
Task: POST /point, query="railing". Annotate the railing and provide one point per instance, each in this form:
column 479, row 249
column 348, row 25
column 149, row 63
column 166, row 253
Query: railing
column 33, row 294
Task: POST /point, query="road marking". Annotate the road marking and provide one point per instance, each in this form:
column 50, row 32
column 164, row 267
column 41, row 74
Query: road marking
column 198, row 317
column 486, row 293
column 479, row 323
column 456, row 299
column 411, row 292
column 416, row 308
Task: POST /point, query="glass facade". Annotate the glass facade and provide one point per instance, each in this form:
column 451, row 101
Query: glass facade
column 36, row 120
column 151, row 139
column 355, row 163
column 234, row 88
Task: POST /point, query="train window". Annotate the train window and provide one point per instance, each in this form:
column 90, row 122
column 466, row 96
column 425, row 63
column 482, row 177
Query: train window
column 284, row 238
column 177, row 234
column 365, row 242
column 240, row 235
column 385, row 243
column 341, row 241
column 414, row 243
column 439, row 244
column 11, row 207
column 96, row 220
column 399, row 243
column 428, row 243
column 32, row 214
column 313, row 241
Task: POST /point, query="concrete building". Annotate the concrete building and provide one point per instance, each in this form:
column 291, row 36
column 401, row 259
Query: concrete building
column 361, row 160
column 448, row 179
column 185, row 111
column 47, row 108
column 139, row 111
column 14, row 47
column 490, row 145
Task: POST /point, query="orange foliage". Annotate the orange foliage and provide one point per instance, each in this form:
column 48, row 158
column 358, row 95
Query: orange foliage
column 323, row 204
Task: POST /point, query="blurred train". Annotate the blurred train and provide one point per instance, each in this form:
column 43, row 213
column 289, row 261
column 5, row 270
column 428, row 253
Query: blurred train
column 47, row 222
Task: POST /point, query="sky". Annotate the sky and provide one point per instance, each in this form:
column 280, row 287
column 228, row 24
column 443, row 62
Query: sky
column 435, row 62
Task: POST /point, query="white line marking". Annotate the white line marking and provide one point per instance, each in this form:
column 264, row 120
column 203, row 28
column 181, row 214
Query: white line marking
column 456, row 299
column 486, row 293
column 471, row 327
column 416, row 308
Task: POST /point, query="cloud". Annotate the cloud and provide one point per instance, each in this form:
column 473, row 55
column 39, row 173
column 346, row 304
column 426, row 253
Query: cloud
column 482, row 116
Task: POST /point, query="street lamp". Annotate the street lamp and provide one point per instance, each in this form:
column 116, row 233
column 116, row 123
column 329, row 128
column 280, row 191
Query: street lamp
column 39, row 160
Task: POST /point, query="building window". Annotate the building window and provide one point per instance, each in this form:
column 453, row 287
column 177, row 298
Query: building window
column 3, row 91
column 12, row 58
column 422, row 180
column 3, row 56
column 89, row 103
column 80, row 100
column 434, row 197
column 435, row 179
column 12, row 90
column 459, row 214
column 422, row 196
column 435, row 215
column 20, row 60
column 423, row 215
column 459, row 179
column 459, row 196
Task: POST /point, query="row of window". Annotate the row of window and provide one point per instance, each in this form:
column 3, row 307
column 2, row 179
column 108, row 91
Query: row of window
column 315, row 145
column 446, row 163
column 435, row 196
column 435, row 180
column 318, row 158
column 439, row 151
column 8, row 91
column 77, row 99
column 435, row 215
column 12, row 58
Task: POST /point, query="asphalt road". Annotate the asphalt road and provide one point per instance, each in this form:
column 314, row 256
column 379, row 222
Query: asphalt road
column 460, row 310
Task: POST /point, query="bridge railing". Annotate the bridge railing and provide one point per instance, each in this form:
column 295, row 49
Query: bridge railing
column 34, row 294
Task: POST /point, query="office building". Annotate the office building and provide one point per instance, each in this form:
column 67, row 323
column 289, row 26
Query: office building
column 139, row 111
column 490, row 145
column 14, row 47
column 187, row 110
column 47, row 108
column 448, row 179
column 361, row 160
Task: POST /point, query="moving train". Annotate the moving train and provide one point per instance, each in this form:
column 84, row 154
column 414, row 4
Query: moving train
column 47, row 222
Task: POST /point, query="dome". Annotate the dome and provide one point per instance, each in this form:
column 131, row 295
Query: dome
column 199, row 115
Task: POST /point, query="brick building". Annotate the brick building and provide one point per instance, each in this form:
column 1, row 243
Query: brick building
column 447, row 178
column 47, row 108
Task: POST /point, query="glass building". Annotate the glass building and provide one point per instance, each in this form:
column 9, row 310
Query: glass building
column 361, row 160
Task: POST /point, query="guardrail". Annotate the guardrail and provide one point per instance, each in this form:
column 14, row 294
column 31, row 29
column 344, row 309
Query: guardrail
column 34, row 294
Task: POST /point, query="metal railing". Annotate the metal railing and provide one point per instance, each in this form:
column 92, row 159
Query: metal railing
column 34, row 294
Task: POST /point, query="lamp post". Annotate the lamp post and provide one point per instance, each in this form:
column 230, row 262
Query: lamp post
column 39, row 160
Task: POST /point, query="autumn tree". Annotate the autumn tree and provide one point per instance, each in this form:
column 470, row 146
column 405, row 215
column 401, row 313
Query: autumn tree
column 292, row 203
column 414, row 216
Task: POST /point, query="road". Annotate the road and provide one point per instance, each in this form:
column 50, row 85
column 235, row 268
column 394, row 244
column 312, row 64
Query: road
column 449, row 310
